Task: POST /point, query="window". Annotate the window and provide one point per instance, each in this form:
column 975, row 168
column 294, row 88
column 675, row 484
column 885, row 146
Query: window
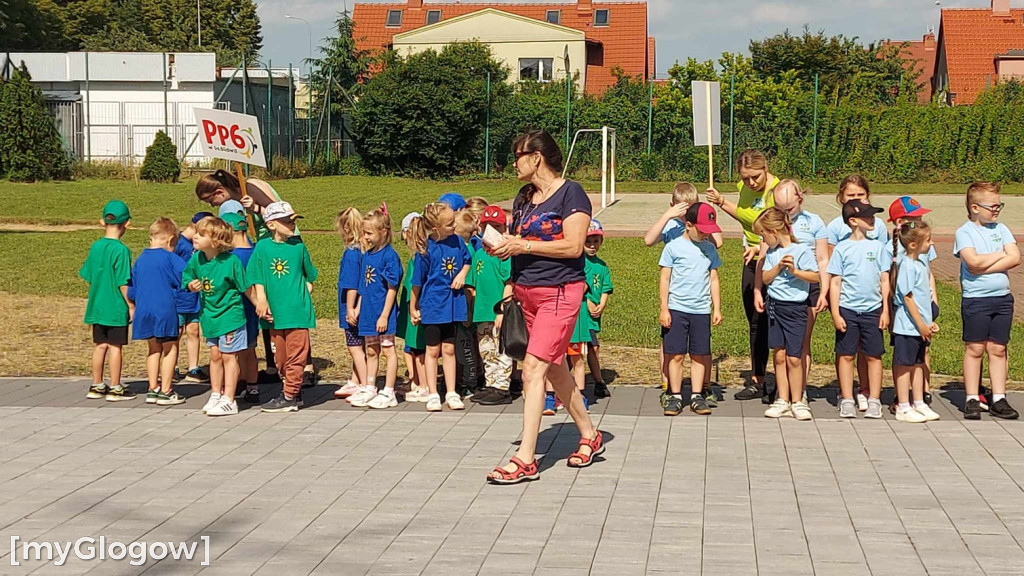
column 536, row 69
column 601, row 17
column 433, row 17
column 554, row 16
column 394, row 18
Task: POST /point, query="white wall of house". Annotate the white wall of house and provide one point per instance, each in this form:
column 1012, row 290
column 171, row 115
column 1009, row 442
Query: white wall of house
column 125, row 98
column 514, row 40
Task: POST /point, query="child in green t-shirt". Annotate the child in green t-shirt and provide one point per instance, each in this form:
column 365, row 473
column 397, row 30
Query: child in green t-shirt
column 487, row 284
column 282, row 275
column 219, row 277
column 108, row 269
column 599, row 288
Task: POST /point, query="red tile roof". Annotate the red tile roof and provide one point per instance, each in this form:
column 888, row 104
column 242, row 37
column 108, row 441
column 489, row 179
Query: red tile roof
column 971, row 40
column 921, row 55
column 624, row 40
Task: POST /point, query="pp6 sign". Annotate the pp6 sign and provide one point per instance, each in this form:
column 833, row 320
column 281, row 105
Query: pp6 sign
column 230, row 136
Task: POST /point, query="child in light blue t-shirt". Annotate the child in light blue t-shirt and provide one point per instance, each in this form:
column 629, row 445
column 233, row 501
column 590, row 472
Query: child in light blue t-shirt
column 987, row 252
column 690, row 306
column 913, row 324
column 789, row 270
column 859, row 269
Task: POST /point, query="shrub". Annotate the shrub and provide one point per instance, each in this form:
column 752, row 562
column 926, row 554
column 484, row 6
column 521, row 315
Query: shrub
column 30, row 145
column 161, row 163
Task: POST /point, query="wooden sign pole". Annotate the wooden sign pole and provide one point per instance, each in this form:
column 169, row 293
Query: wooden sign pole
column 711, row 147
column 245, row 192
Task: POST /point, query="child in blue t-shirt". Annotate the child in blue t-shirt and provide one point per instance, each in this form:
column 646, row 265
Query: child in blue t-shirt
column 248, row 367
column 376, row 315
column 188, row 305
column 690, row 305
column 859, row 269
column 913, row 325
column 438, row 300
column 987, row 252
column 789, row 271
column 350, row 227
column 156, row 280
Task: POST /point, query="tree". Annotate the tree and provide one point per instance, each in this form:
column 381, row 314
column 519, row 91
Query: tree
column 341, row 61
column 30, row 146
column 24, row 27
column 161, row 163
column 426, row 114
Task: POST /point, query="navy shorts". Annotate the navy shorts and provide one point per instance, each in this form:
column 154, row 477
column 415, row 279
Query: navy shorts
column 689, row 334
column 435, row 334
column 862, row 333
column 593, row 339
column 787, row 324
column 115, row 335
column 908, row 350
column 352, row 337
column 987, row 319
column 935, row 311
column 813, row 294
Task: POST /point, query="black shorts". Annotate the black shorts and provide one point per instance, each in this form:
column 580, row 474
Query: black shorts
column 862, row 333
column 593, row 339
column 165, row 340
column 935, row 311
column 689, row 334
column 787, row 324
column 116, row 335
column 908, row 350
column 435, row 334
column 813, row 294
column 987, row 319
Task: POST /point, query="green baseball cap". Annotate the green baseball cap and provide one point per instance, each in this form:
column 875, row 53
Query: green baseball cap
column 236, row 221
column 116, row 212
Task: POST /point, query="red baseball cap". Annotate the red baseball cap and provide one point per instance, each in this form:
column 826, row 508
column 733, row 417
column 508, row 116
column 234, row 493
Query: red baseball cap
column 703, row 216
column 494, row 214
column 904, row 207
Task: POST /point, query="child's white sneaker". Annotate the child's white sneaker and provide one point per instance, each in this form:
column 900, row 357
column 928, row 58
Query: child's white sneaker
column 801, row 411
column 385, row 399
column 779, row 409
column 362, row 398
column 454, row 401
column 347, row 390
column 926, row 411
column 417, row 394
column 912, row 416
column 224, row 408
column 434, row 403
column 862, row 402
column 213, row 401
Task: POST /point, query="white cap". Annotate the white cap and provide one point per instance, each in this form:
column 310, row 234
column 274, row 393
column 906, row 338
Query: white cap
column 407, row 221
column 279, row 211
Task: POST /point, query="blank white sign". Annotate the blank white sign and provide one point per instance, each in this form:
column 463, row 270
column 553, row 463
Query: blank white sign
column 707, row 105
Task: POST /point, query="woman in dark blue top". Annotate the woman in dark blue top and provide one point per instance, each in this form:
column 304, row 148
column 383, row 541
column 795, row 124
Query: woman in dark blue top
column 550, row 219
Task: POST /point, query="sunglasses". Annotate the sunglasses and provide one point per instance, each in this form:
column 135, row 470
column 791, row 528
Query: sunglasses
column 992, row 207
column 523, row 153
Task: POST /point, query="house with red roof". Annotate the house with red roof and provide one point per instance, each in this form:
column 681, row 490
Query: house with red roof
column 978, row 48
column 535, row 40
column 919, row 56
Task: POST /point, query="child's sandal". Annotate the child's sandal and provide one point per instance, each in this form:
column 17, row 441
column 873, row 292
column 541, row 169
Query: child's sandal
column 522, row 473
column 596, row 449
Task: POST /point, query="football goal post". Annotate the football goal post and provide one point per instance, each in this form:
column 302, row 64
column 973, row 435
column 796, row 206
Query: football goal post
column 607, row 161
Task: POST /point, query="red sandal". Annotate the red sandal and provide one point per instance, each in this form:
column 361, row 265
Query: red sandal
column 596, row 449
column 522, row 473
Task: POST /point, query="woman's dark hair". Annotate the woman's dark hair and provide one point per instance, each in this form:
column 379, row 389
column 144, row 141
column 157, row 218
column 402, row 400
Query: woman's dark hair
column 538, row 141
column 209, row 184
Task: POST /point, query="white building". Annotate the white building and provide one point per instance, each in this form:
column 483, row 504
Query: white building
column 110, row 105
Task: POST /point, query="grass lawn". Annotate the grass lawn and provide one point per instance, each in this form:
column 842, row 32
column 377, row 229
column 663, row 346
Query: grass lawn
column 825, row 188
column 46, row 264
column 318, row 199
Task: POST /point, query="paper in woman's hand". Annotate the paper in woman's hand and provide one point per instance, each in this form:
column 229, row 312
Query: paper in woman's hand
column 491, row 237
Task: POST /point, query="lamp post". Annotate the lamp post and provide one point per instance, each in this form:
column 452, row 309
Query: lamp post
column 309, row 89
column 487, row 130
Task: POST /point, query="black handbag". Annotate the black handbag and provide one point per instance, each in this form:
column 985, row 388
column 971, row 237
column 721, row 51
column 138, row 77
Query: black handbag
column 513, row 337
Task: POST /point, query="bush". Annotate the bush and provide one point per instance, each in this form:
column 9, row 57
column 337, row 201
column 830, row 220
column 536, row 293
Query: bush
column 161, row 163
column 30, row 145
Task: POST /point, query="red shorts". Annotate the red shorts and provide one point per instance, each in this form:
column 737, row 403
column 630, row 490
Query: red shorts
column 551, row 313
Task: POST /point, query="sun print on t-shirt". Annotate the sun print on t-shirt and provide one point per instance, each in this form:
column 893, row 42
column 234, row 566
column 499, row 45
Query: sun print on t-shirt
column 370, row 275
column 279, row 267
column 448, row 266
column 207, row 285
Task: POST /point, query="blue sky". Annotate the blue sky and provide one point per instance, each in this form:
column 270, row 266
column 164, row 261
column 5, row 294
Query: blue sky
column 701, row 29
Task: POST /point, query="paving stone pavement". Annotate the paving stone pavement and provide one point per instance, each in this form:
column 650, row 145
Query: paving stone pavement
column 333, row 490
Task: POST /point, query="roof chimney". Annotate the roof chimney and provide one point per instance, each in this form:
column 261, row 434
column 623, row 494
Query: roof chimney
column 585, row 5
column 929, row 42
column 1000, row 7
column 419, row 3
